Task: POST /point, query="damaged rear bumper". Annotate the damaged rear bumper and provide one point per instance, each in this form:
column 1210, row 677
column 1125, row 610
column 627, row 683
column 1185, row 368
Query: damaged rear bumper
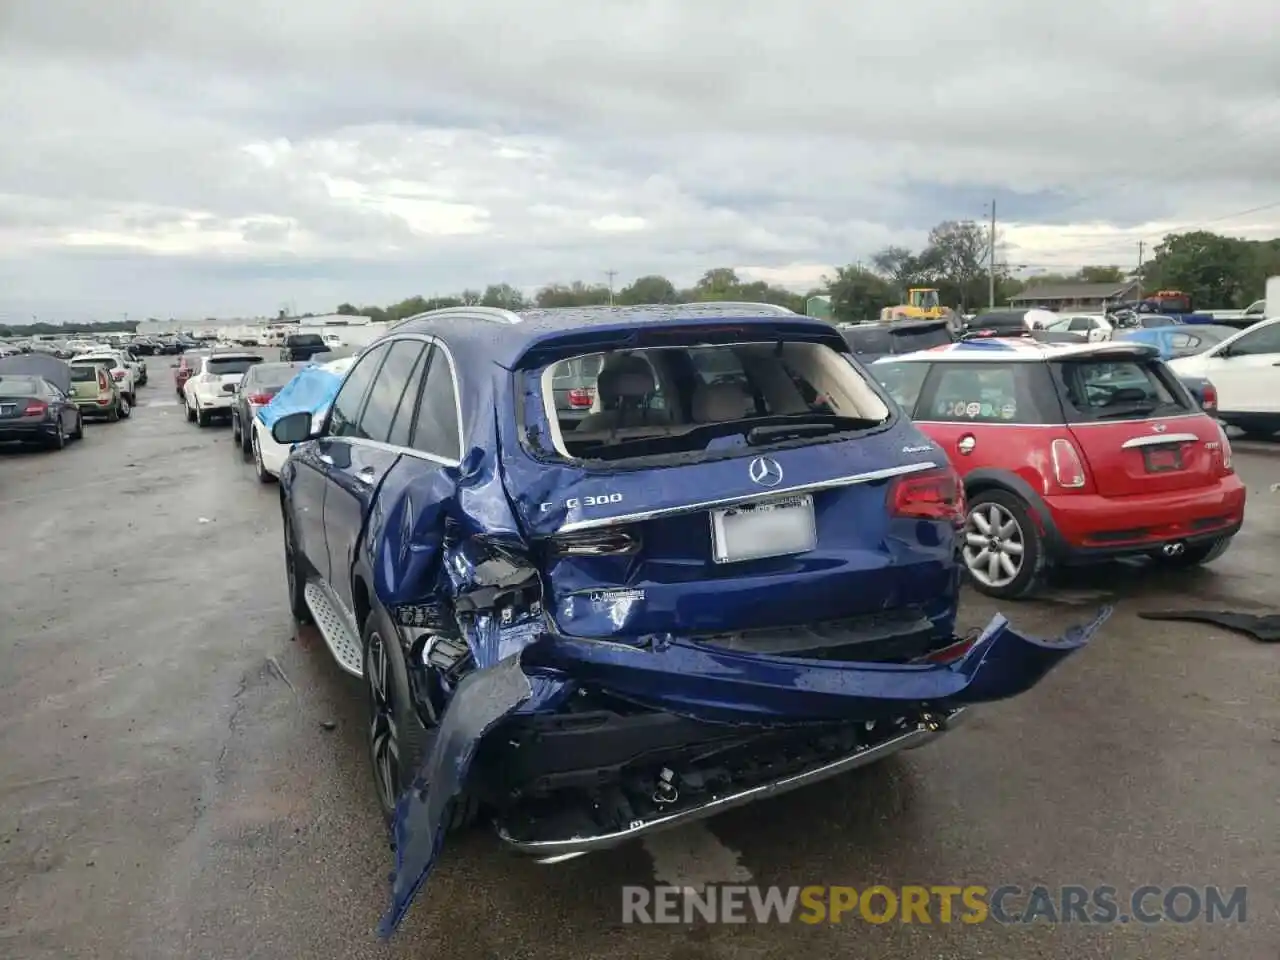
column 558, row 850
column 790, row 724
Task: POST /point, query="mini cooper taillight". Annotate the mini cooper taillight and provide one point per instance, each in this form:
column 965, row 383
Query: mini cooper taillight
column 1068, row 468
column 932, row 495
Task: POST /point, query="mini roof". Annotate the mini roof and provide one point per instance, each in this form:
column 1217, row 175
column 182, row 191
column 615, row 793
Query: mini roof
column 1023, row 350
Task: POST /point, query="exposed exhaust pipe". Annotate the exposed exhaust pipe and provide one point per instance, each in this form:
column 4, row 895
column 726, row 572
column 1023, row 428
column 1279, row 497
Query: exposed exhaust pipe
column 1174, row 549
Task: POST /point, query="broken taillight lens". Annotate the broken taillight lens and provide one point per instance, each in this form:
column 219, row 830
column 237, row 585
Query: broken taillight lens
column 933, row 495
column 607, row 542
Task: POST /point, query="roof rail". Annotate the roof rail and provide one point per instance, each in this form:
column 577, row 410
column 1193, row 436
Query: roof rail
column 492, row 314
column 746, row 304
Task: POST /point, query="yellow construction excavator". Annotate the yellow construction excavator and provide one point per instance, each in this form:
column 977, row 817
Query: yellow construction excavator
column 922, row 304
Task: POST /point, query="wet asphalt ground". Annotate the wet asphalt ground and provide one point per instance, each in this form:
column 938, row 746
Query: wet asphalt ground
column 181, row 776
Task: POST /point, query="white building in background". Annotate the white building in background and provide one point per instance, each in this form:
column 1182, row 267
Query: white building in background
column 252, row 328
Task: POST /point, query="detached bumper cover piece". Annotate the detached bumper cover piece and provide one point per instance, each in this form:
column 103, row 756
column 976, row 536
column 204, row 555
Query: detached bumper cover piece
column 710, row 685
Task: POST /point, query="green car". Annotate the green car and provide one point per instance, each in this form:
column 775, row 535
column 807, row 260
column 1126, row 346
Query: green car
column 96, row 394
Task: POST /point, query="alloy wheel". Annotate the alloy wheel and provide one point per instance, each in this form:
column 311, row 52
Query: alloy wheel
column 994, row 545
column 384, row 744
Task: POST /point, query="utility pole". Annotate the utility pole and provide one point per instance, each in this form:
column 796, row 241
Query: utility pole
column 611, row 274
column 991, row 264
column 1141, row 250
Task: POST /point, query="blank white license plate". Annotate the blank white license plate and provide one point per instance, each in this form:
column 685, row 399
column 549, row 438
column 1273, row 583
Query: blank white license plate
column 773, row 529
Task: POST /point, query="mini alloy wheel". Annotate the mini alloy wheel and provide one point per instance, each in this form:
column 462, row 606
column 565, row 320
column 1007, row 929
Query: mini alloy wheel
column 1001, row 547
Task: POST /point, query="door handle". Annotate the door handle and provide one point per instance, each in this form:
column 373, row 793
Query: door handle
column 366, row 475
column 325, row 458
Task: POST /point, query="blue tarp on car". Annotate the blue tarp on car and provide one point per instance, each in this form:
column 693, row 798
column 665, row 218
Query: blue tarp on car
column 310, row 391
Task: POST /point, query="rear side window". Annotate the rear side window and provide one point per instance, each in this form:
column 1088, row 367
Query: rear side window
column 388, row 387
column 402, row 425
column 436, row 431
column 344, row 419
column 1119, row 389
column 902, row 381
column 970, row 392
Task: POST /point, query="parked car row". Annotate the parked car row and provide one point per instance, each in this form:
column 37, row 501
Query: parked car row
column 46, row 401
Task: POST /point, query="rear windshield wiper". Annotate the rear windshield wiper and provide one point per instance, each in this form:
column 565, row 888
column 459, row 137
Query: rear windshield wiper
column 757, row 435
column 814, row 425
column 1127, row 410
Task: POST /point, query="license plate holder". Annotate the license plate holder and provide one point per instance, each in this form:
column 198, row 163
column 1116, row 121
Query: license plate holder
column 1162, row 459
column 756, row 531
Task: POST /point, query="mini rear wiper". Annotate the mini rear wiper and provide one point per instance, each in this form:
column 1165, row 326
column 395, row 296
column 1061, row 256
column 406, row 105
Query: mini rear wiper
column 1128, row 410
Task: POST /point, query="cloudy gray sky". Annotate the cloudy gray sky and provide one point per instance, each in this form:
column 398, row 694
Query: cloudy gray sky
column 190, row 158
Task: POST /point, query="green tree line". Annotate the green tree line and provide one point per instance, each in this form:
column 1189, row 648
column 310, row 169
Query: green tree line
column 1218, row 271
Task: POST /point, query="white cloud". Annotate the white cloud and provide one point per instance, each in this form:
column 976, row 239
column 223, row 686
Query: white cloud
column 175, row 158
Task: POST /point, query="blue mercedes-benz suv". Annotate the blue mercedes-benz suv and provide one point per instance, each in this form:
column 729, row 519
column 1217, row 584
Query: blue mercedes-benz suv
column 734, row 575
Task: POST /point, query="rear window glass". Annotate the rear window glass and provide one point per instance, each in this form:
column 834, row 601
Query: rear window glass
column 11, row 386
column 910, row 339
column 1118, row 390
column 902, row 381
column 700, row 401
column 274, row 374
column 306, row 340
column 225, row 366
column 867, row 339
column 83, row 373
column 973, row 392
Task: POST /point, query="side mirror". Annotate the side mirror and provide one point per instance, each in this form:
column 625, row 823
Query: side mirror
column 1224, row 354
column 293, row 428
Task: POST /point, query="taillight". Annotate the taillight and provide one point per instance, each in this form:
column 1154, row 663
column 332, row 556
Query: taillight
column 117, row 374
column 935, row 495
column 581, row 397
column 261, row 399
column 1068, row 468
column 1210, row 401
column 1226, row 450
column 102, row 381
column 36, row 408
column 608, row 542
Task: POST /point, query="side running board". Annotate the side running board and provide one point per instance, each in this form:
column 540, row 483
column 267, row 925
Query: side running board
column 335, row 625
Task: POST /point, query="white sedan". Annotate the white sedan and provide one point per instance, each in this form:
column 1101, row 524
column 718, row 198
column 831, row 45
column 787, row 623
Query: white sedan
column 1245, row 370
column 1085, row 324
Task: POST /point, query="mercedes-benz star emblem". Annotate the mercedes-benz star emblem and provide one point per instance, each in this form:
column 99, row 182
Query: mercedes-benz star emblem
column 1159, row 428
column 765, row 471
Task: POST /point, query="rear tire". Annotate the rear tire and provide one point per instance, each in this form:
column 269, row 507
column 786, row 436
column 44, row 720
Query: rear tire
column 1000, row 524
column 59, row 440
column 113, row 414
column 203, row 419
column 260, row 468
column 295, row 569
column 191, row 414
column 397, row 748
column 235, row 429
column 1195, row 556
column 78, row 432
column 125, row 407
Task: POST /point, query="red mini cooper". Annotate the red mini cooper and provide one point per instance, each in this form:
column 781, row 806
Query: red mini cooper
column 1071, row 453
